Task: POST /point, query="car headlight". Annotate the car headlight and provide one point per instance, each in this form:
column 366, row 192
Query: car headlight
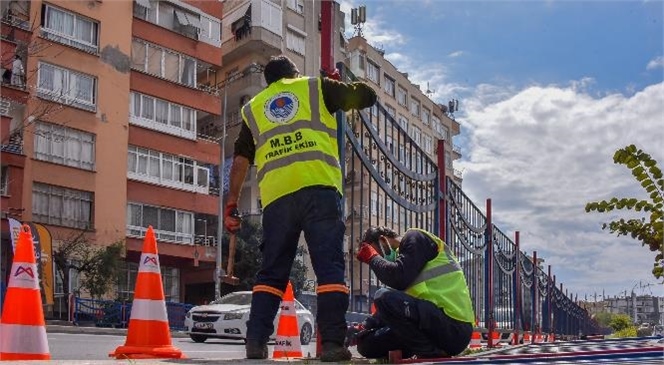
column 235, row 315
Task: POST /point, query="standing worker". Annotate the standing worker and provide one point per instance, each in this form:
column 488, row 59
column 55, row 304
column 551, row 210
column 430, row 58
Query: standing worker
column 291, row 134
column 427, row 312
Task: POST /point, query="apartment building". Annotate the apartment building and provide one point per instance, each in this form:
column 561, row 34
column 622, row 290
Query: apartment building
column 104, row 135
column 424, row 121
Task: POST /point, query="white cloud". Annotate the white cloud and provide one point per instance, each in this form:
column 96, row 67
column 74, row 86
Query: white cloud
column 456, row 54
column 655, row 63
column 542, row 153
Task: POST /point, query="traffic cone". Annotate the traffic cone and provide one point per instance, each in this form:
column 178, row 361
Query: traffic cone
column 475, row 338
column 526, row 337
column 148, row 336
column 287, row 344
column 23, row 327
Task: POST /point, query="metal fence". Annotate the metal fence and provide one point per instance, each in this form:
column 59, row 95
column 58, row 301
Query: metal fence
column 390, row 181
column 115, row 314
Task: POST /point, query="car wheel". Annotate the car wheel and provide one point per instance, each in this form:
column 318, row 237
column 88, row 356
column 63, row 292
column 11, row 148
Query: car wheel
column 198, row 338
column 305, row 334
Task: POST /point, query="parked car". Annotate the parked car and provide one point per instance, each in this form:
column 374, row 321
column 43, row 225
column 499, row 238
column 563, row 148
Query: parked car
column 227, row 317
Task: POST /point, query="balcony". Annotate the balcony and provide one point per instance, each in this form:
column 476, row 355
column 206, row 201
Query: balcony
column 13, row 145
column 251, row 40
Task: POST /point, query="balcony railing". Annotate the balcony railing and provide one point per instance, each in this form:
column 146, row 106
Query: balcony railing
column 167, row 236
column 14, row 145
column 17, row 20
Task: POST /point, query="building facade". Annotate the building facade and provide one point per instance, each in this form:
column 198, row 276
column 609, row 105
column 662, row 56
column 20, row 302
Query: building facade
column 103, row 138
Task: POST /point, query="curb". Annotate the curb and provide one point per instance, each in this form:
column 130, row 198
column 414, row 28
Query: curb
column 71, row 328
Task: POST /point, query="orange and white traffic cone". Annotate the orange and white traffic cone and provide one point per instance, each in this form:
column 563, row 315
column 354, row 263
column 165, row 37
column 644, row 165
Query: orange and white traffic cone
column 526, row 337
column 475, row 339
column 148, row 336
column 287, row 344
column 23, row 327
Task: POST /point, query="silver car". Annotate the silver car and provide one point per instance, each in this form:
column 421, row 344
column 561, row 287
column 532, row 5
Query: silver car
column 227, row 317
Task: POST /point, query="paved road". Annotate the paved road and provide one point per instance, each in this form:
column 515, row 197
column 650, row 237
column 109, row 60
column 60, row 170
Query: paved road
column 84, row 346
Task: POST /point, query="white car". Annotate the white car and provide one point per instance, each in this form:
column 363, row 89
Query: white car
column 227, row 317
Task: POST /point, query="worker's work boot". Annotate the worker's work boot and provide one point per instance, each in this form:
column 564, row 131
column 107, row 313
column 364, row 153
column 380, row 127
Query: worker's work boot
column 256, row 349
column 333, row 352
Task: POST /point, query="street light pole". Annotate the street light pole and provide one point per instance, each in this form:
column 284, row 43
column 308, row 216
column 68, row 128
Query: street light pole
column 220, row 225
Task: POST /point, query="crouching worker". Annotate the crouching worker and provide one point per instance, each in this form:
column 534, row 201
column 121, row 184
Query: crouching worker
column 427, row 311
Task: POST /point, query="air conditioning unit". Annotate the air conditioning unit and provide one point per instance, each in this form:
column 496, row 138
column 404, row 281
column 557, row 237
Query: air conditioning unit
column 5, row 106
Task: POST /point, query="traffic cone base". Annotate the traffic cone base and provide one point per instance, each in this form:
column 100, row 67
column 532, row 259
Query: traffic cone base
column 22, row 321
column 287, row 344
column 148, row 335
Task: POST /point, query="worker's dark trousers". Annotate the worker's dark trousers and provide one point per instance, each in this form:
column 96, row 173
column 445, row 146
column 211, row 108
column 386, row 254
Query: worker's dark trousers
column 417, row 327
column 317, row 212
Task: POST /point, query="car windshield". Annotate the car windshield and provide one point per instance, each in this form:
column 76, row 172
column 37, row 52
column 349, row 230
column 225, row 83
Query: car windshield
column 235, row 298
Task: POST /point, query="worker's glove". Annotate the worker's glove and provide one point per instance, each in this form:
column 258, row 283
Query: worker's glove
column 366, row 253
column 372, row 322
column 232, row 218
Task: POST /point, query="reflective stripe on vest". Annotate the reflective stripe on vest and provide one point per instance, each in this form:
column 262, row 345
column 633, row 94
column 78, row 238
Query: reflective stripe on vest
column 300, row 157
column 149, row 310
column 23, row 339
column 438, row 270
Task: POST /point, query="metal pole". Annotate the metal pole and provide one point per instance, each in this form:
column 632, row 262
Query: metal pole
column 220, row 226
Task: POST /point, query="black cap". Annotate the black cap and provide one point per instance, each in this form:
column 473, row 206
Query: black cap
column 279, row 67
column 371, row 235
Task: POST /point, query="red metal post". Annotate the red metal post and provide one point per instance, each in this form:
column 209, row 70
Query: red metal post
column 489, row 321
column 549, row 293
column 442, row 188
column 517, row 305
column 327, row 30
column 535, row 325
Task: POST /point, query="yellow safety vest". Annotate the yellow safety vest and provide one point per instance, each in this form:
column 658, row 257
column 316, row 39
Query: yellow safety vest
column 295, row 137
column 442, row 282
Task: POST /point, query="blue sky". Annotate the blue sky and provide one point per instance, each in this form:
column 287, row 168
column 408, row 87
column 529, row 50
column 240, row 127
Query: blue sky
column 548, row 91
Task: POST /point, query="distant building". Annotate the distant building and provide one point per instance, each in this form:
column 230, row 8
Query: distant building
column 641, row 308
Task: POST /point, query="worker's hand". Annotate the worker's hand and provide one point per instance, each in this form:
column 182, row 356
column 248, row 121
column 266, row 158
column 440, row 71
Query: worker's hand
column 232, row 218
column 366, row 253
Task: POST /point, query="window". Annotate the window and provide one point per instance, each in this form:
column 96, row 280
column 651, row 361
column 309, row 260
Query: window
column 66, row 86
column 403, row 122
column 162, row 62
column 295, row 40
column 68, row 28
column 188, row 23
column 167, row 170
column 373, row 71
column 4, row 179
column 169, row 224
column 374, row 203
column 436, row 125
column 391, row 111
column 416, row 134
column 65, row 146
column 445, row 133
column 388, row 210
column 296, row 5
column 426, row 115
column 428, row 144
column 415, row 107
column 62, row 206
column 402, row 96
column 389, row 85
column 127, row 282
column 161, row 115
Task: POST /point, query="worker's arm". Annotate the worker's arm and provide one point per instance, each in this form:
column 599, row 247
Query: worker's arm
column 346, row 96
column 415, row 251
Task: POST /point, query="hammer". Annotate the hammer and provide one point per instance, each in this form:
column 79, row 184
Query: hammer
column 229, row 278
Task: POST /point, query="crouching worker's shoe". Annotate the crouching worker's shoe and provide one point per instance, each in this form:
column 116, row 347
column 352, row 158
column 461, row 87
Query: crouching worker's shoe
column 256, row 349
column 333, row 352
